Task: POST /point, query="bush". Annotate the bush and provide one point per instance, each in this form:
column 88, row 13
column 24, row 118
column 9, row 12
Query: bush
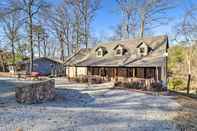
column 133, row 85
column 176, row 83
column 118, row 84
column 95, row 80
column 156, row 86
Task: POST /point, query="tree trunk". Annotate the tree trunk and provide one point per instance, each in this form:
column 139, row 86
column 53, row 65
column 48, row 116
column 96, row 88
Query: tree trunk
column 86, row 23
column 62, row 46
column 30, row 38
column 45, row 46
column 39, row 50
column 67, row 40
column 13, row 53
column 142, row 28
column 127, row 26
column 188, row 83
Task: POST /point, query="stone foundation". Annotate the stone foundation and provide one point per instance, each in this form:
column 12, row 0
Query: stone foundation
column 35, row 92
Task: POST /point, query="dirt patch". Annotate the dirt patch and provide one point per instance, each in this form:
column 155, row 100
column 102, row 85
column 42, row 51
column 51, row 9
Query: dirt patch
column 187, row 113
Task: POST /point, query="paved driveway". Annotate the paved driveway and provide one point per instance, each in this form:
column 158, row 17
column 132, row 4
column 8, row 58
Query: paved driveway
column 77, row 108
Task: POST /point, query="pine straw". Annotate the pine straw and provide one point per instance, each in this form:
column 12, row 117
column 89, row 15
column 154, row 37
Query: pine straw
column 187, row 113
column 5, row 74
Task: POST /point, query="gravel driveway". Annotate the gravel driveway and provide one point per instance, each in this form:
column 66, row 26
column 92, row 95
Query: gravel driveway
column 78, row 108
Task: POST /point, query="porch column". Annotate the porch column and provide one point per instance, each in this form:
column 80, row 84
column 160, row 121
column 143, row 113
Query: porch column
column 75, row 71
column 157, row 74
column 116, row 73
column 133, row 71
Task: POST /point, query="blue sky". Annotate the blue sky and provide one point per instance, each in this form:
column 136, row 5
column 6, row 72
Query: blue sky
column 108, row 17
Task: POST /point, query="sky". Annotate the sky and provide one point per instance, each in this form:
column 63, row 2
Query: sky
column 107, row 18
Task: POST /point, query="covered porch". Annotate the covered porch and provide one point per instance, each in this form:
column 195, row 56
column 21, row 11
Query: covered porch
column 126, row 73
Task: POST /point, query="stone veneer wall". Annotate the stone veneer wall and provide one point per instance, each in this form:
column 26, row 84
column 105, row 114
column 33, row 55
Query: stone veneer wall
column 35, row 92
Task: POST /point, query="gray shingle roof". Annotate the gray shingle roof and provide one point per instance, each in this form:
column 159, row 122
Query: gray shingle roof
column 158, row 44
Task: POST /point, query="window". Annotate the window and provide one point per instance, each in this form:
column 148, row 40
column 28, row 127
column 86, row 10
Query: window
column 99, row 53
column 118, row 52
column 142, row 50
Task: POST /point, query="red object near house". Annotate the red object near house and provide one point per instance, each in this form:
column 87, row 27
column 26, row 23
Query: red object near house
column 35, row 74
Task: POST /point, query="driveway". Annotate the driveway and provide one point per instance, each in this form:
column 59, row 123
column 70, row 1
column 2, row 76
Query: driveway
column 78, row 107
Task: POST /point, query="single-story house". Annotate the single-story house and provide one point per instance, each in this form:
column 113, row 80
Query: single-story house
column 140, row 58
column 45, row 66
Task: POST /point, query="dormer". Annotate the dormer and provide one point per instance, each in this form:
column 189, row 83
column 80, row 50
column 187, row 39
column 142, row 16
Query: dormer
column 119, row 50
column 100, row 51
column 143, row 49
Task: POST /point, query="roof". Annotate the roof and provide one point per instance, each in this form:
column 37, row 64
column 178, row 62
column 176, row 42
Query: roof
column 41, row 58
column 78, row 56
column 158, row 44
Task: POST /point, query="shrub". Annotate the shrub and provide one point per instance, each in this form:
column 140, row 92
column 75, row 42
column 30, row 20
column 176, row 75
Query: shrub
column 176, row 83
column 133, row 85
column 118, row 84
column 95, row 80
column 83, row 79
column 156, row 86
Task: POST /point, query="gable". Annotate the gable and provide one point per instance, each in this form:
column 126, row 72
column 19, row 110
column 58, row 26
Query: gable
column 142, row 44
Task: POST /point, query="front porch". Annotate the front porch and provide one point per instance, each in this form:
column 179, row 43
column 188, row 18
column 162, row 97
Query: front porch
column 126, row 73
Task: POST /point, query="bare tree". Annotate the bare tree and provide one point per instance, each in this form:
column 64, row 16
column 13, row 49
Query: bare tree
column 61, row 25
column 84, row 11
column 153, row 12
column 39, row 33
column 187, row 33
column 29, row 10
column 129, row 13
column 148, row 13
column 11, row 29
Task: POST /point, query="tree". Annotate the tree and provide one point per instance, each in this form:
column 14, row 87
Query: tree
column 29, row 9
column 129, row 24
column 187, row 31
column 148, row 13
column 152, row 12
column 39, row 33
column 60, row 21
column 11, row 29
column 84, row 12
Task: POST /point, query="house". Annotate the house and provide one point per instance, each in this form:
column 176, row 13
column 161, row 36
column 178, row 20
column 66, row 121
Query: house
column 45, row 66
column 141, row 58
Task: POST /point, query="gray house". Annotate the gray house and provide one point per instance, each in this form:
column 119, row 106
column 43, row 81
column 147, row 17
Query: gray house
column 141, row 58
column 45, row 66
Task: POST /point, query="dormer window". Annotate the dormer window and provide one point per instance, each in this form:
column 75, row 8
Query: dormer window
column 119, row 50
column 101, row 51
column 143, row 49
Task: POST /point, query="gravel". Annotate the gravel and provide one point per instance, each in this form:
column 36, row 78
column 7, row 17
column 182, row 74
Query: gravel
column 79, row 107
